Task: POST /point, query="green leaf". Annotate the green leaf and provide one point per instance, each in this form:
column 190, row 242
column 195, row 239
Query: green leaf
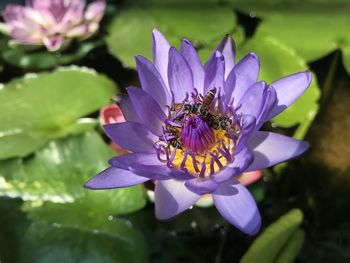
column 271, row 242
column 312, row 28
column 34, row 57
column 58, row 243
column 43, row 106
column 58, row 172
column 277, row 61
column 69, row 234
column 291, row 250
column 129, row 34
column 82, row 224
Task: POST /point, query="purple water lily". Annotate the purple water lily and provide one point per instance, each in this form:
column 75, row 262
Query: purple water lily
column 53, row 23
column 193, row 129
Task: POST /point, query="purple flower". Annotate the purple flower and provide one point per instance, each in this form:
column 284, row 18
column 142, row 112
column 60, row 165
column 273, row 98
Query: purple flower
column 195, row 128
column 53, row 23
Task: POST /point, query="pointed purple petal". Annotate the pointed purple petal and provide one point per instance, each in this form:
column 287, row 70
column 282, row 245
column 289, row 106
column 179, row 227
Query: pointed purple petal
column 146, row 165
column 271, row 148
column 160, row 53
column 114, row 177
column 202, row 186
column 247, row 129
column 214, row 73
column 235, row 203
column 192, row 58
column 152, row 82
column 148, row 110
column 240, row 163
column 230, row 83
column 269, row 104
column 125, row 161
column 288, row 89
column 128, row 110
column 179, row 75
column 132, row 136
column 247, row 72
column 159, row 171
column 172, row 198
column 227, row 48
column 254, row 99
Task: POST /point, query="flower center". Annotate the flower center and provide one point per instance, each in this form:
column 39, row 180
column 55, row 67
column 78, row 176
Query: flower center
column 196, row 135
column 199, row 135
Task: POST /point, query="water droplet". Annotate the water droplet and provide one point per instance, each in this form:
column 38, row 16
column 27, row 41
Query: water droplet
column 274, row 124
column 252, row 14
column 57, row 225
column 266, row 178
column 190, row 207
column 110, row 218
column 193, row 224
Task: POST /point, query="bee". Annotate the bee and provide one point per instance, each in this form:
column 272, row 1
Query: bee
column 191, row 108
column 176, row 143
column 224, row 122
column 212, row 121
column 209, row 97
column 175, row 107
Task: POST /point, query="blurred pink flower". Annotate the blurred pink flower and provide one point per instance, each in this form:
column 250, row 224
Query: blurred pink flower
column 249, row 177
column 53, row 23
column 113, row 114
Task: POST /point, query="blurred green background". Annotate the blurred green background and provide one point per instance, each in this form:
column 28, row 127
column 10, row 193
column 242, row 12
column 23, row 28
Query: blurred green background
column 51, row 140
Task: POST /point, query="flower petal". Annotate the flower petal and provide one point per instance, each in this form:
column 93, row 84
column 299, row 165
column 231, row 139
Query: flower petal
column 201, row 186
column 13, row 12
column 146, row 165
column 132, row 136
column 288, row 89
column 160, row 172
column 247, row 129
column 128, row 109
column 172, row 198
column 271, row 148
column 148, row 110
column 247, row 72
column 254, row 99
column 240, row 163
column 269, row 104
column 114, row 177
column 230, row 83
column 126, row 160
column 214, row 73
column 152, row 82
column 192, row 58
column 160, row 52
column 95, row 11
column 179, row 75
column 227, row 48
column 53, row 43
column 235, row 203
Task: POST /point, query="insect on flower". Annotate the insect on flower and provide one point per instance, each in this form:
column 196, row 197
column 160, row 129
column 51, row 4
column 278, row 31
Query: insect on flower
column 194, row 129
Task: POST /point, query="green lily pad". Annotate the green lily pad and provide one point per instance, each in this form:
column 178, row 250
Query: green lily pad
column 277, row 238
column 66, row 233
column 39, row 107
column 277, row 61
column 129, row 34
column 38, row 58
column 58, row 243
column 58, row 172
column 312, row 28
